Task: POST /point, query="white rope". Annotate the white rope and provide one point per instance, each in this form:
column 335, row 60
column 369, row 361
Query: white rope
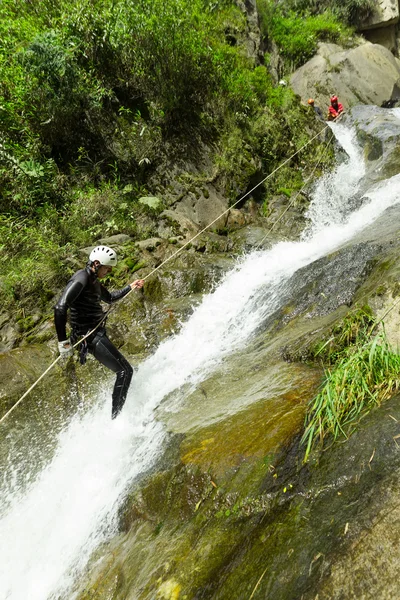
column 296, row 195
column 31, row 388
column 163, row 263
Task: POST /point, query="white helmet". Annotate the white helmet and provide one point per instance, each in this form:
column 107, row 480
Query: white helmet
column 105, row 256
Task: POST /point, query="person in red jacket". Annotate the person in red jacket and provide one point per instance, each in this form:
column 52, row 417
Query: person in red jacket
column 335, row 108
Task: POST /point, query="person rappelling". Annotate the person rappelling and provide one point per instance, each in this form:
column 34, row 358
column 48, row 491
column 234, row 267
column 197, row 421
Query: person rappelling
column 82, row 296
column 335, row 109
column 317, row 110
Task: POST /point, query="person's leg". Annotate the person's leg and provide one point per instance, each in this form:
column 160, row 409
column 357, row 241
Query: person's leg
column 108, row 355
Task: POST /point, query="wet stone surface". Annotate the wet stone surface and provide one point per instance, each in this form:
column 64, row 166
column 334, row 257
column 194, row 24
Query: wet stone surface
column 272, row 526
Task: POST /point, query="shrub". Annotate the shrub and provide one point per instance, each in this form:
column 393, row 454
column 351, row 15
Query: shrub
column 31, row 260
column 297, row 34
column 350, row 12
column 168, row 56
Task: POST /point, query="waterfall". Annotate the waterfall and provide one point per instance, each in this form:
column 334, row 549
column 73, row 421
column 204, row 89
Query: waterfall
column 50, row 527
column 329, row 205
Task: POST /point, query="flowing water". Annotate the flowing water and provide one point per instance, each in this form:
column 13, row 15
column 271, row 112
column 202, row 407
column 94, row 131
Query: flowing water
column 52, row 524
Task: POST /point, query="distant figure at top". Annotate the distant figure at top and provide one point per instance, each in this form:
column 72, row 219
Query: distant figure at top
column 335, row 109
column 317, row 109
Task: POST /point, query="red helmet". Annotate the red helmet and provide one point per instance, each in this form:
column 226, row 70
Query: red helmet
column 310, row 101
column 334, row 98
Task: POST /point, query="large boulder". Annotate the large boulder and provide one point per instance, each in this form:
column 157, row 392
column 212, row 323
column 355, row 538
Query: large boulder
column 381, row 26
column 200, row 208
column 386, row 12
column 378, row 130
column 367, row 74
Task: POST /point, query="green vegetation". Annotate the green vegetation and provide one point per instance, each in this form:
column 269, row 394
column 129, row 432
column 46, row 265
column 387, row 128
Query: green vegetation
column 355, row 11
column 352, row 12
column 297, row 27
column 98, row 96
column 363, row 372
column 353, row 330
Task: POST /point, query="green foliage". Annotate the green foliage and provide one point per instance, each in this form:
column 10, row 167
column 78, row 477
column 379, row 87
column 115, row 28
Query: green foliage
column 31, row 260
column 59, row 94
column 297, row 33
column 262, row 139
column 37, row 254
column 354, row 330
column 29, row 184
column 297, row 38
column 93, row 88
column 152, row 202
column 99, row 212
column 248, row 90
column 351, row 12
column 354, row 12
column 169, row 56
column 363, row 374
column 95, row 93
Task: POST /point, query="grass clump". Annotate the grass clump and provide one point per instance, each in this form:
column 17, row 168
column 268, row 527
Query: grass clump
column 362, row 375
column 353, row 330
column 350, row 12
column 296, row 30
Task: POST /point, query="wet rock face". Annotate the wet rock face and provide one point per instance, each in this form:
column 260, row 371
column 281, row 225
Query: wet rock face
column 19, row 368
column 368, row 482
column 335, row 506
column 212, row 482
column 325, row 285
column 378, row 130
column 273, row 525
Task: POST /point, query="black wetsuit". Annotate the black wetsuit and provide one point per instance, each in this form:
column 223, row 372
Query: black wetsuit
column 318, row 112
column 82, row 296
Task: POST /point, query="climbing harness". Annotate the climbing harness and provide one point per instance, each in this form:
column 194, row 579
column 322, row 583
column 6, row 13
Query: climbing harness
column 82, row 343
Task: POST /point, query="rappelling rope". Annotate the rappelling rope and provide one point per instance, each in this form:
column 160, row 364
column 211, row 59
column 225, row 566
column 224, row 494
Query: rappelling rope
column 298, row 193
column 163, row 263
column 305, row 183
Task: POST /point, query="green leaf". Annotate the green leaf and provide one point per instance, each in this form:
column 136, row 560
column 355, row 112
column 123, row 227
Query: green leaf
column 150, row 201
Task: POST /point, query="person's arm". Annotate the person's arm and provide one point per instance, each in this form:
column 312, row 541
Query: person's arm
column 111, row 297
column 71, row 293
column 332, row 114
